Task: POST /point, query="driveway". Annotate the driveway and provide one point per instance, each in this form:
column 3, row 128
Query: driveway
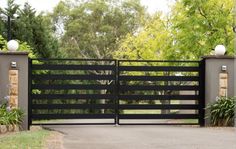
column 146, row 137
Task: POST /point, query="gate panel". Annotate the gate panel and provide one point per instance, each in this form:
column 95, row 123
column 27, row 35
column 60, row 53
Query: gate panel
column 160, row 92
column 67, row 89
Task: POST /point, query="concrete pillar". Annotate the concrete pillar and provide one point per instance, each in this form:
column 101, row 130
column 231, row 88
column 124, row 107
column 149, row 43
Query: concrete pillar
column 235, row 89
column 21, row 59
column 212, row 76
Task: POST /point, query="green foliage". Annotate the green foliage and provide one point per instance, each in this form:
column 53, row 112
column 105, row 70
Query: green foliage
column 23, row 46
column 153, row 41
column 122, row 29
column 199, row 25
column 3, row 43
column 11, row 117
column 34, row 29
column 94, row 28
column 190, row 31
column 222, row 112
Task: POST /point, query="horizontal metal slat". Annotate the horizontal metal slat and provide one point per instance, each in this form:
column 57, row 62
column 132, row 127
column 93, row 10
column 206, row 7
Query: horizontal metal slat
column 73, row 96
column 48, row 124
column 73, row 77
column 143, row 107
column 160, row 68
column 71, row 59
column 160, row 61
column 170, row 123
column 72, row 67
column 158, row 116
column 159, row 97
column 73, row 86
column 159, row 78
column 73, row 106
column 157, row 87
column 72, row 116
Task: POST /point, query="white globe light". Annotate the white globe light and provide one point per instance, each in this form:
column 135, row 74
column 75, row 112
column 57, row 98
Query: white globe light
column 220, row 50
column 12, row 45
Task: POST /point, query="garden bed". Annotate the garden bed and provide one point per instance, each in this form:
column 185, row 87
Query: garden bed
column 8, row 128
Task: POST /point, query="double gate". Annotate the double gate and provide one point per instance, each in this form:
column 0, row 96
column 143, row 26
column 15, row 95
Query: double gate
column 91, row 91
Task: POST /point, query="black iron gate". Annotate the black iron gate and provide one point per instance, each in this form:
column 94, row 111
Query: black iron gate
column 116, row 92
column 161, row 92
column 72, row 89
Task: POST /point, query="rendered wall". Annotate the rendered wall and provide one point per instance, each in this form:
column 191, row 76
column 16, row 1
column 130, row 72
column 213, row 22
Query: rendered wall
column 212, row 71
column 21, row 59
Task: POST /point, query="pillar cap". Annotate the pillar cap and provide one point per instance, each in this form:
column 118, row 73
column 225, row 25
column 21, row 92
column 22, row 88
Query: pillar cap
column 218, row 57
column 13, row 53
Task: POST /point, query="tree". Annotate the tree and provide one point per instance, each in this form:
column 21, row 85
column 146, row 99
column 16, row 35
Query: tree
column 11, row 9
column 192, row 30
column 153, row 41
column 199, row 25
column 93, row 28
column 35, row 29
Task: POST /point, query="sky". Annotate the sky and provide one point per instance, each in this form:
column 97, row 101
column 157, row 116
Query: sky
column 47, row 5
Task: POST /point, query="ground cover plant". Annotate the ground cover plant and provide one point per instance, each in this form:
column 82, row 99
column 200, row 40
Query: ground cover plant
column 222, row 111
column 10, row 118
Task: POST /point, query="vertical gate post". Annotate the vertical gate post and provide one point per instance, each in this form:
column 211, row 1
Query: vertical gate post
column 202, row 93
column 117, row 93
column 15, row 61
column 29, row 93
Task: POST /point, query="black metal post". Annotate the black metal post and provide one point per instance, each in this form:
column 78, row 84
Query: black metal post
column 29, row 93
column 8, row 28
column 202, row 93
column 117, row 93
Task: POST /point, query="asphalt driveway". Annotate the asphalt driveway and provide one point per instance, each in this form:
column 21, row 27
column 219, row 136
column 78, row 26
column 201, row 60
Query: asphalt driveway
column 146, row 137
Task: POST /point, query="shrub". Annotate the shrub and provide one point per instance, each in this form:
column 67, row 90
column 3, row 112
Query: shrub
column 222, row 111
column 10, row 117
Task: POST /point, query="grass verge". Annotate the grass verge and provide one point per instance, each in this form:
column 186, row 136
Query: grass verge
column 24, row 140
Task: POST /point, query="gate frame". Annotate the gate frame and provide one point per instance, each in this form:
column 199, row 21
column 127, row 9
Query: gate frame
column 201, row 109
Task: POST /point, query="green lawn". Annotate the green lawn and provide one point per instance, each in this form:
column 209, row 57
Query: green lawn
column 24, row 140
